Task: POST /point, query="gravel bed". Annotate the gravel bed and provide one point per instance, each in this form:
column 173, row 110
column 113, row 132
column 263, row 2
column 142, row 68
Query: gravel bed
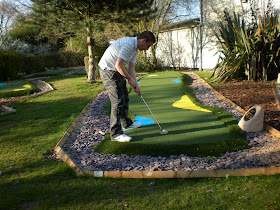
column 94, row 124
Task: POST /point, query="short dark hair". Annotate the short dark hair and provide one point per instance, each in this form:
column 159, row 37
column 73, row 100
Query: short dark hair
column 149, row 36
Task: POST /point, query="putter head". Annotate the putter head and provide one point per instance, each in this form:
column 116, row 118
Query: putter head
column 163, row 131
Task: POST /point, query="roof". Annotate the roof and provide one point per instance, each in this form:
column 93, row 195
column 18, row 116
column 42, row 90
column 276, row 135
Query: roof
column 182, row 24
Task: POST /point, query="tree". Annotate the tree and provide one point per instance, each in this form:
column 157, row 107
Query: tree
column 166, row 13
column 7, row 14
column 88, row 16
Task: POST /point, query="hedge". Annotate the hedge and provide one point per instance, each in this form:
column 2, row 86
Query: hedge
column 14, row 64
column 10, row 64
column 32, row 64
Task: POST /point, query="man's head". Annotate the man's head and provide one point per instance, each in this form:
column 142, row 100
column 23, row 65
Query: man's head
column 145, row 40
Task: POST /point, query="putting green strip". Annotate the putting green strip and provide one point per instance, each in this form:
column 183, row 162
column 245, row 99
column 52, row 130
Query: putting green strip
column 192, row 129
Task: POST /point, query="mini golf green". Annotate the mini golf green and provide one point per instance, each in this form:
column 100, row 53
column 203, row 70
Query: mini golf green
column 17, row 88
column 192, row 130
column 15, row 85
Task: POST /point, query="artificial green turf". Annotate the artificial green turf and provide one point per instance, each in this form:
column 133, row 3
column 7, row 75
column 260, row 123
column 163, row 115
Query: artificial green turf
column 16, row 88
column 190, row 132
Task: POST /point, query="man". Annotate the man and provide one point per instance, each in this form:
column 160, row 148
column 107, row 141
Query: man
column 114, row 76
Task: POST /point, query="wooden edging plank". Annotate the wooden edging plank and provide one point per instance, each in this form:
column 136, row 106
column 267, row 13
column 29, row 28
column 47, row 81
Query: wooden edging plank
column 185, row 174
column 58, row 148
column 73, row 125
column 163, row 174
column 67, row 159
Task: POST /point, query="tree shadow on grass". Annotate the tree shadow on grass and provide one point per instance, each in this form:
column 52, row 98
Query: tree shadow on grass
column 60, row 188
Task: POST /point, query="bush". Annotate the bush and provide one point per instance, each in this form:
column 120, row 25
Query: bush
column 50, row 60
column 8, row 43
column 10, row 64
column 98, row 52
column 247, row 51
column 72, row 54
column 38, row 63
column 32, row 64
column 70, row 58
column 143, row 64
column 76, row 44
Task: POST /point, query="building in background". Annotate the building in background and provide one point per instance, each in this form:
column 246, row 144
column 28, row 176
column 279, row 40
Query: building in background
column 179, row 43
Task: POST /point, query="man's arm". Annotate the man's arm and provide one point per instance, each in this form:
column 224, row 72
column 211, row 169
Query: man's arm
column 130, row 75
column 131, row 72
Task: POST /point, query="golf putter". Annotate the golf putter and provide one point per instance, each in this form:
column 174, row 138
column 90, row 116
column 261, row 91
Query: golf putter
column 163, row 131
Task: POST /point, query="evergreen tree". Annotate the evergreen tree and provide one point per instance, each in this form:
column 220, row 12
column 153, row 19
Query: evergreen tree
column 88, row 16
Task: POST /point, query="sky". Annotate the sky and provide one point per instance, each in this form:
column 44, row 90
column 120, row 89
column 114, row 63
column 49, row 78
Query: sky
column 182, row 12
column 185, row 13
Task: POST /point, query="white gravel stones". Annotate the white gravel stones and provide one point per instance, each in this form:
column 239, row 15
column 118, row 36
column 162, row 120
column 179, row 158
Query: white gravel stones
column 94, row 124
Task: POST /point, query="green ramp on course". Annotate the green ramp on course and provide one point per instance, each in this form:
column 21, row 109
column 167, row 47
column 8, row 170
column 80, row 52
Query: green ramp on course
column 190, row 132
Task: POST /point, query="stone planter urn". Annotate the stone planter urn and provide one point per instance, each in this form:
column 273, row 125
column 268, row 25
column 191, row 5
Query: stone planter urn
column 252, row 121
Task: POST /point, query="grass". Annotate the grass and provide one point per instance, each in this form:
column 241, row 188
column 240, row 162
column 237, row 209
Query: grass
column 30, row 180
column 49, row 73
column 17, row 88
column 204, row 74
column 82, row 72
column 190, row 132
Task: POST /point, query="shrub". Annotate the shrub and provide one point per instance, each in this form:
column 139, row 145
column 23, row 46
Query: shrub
column 32, row 64
column 251, row 52
column 8, row 43
column 70, row 58
column 143, row 64
column 73, row 52
column 75, row 44
column 99, row 51
column 50, row 60
column 10, row 64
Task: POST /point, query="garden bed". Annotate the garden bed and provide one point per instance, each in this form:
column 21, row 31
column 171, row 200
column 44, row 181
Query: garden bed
column 247, row 94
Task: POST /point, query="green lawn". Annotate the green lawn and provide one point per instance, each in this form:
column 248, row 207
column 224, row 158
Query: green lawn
column 193, row 132
column 204, row 74
column 30, row 180
column 54, row 72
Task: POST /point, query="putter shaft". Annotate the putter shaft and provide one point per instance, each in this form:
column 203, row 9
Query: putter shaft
column 151, row 112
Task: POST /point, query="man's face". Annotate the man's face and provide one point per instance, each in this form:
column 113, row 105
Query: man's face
column 144, row 45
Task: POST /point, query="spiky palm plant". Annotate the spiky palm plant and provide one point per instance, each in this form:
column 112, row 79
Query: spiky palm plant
column 267, row 48
column 235, row 48
column 247, row 52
